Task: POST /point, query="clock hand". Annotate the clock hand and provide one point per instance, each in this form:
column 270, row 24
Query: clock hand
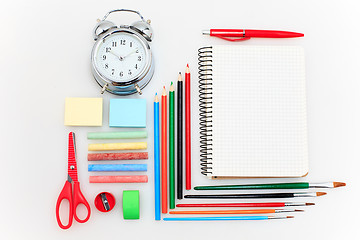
column 130, row 53
column 118, row 56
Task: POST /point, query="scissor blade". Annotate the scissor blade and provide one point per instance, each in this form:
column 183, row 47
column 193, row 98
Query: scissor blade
column 72, row 167
column 69, row 179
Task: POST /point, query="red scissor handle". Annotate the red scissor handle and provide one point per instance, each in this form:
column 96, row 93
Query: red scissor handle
column 65, row 194
column 80, row 199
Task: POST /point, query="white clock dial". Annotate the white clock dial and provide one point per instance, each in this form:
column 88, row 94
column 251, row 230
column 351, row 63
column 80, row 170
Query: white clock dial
column 120, row 57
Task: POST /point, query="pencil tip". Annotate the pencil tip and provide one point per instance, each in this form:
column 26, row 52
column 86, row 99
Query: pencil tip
column 309, row 204
column 299, row 210
column 156, row 94
column 339, row 184
column 320, row 193
column 187, row 65
column 289, row 216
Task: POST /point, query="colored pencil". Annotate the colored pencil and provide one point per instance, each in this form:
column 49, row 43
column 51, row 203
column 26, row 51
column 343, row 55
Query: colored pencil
column 227, row 218
column 187, row 129
column 260, row 195
column 164, row 200
column 157, row 158
column 266, row 204
column 295, row 185
column 250, row 211
column 180, row 137
column 171, row 147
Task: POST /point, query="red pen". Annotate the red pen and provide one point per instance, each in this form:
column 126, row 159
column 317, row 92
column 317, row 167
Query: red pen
column 245, row 34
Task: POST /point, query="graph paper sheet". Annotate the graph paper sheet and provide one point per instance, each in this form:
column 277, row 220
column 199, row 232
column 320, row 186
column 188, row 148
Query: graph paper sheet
column 259, row 111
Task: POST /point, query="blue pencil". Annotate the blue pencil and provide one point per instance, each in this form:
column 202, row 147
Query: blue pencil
column 157, row 158
column 225, row 218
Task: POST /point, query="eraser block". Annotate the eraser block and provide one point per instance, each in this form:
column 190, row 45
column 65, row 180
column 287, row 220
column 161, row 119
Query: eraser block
column 83, row 111
column 127, row 113
column 131, row 204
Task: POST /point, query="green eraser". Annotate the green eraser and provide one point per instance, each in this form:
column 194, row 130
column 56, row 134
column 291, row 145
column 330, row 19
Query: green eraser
column 131, row 204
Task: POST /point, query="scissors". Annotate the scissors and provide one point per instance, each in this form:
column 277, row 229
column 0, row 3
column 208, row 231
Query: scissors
column 75, row 197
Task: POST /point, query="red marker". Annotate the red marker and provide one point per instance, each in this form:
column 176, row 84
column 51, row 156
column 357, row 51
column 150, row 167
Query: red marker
column 245, row 34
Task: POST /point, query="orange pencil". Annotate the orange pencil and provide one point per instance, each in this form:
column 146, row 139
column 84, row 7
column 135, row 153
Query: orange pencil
column 252, row 211
column 164, row 152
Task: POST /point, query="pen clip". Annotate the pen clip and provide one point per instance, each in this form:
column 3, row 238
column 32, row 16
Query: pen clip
column 233, row 39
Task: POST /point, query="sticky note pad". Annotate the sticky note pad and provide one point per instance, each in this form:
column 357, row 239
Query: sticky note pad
column 127, row 113
column 83, row 111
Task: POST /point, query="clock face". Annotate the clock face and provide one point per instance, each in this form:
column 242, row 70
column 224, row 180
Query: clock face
column 120, row 57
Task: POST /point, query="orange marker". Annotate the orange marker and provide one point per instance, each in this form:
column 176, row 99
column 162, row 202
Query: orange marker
column 164, row 152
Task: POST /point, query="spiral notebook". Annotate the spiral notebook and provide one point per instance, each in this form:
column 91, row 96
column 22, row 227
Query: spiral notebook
column 253, row 111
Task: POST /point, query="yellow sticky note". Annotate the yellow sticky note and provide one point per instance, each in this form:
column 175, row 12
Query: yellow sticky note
column 83, row 111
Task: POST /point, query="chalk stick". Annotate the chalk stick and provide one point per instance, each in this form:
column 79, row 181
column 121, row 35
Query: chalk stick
column 117, row 135
column 118, row 156
column 117, row 167
column 119, row 179
column 117, row 146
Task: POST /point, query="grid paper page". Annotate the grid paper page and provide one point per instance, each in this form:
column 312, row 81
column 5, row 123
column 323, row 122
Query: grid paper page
column 259, row 104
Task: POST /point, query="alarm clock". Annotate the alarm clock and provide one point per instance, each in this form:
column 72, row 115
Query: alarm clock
column 121, row 59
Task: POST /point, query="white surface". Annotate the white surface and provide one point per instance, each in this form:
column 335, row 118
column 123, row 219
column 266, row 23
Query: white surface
column 45, row 57
column 259, row 111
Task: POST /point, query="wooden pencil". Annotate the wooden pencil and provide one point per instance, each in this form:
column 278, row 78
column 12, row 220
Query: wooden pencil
column 180, row 137
column 171, row 147
column 232, row 218
column 187, row 129
column 246, row 205
column 164, row 200
column 157, row 159
column 248, row 211
column 259, row 195
column 293, row 185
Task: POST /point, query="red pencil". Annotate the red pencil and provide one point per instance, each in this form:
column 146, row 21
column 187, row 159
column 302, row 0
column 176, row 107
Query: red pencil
column 187, row 130
column 164, row 151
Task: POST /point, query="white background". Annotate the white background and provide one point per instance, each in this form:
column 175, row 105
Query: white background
column 45, row 57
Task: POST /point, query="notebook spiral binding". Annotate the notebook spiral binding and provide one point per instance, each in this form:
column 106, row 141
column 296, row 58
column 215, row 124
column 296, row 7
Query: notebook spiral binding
column 205, row 99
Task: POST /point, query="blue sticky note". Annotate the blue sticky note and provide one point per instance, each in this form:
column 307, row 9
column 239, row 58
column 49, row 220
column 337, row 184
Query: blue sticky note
column 127, row 113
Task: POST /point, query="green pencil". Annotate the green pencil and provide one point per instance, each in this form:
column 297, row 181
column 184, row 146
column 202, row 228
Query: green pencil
column 294, row 185
column 172, row 146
